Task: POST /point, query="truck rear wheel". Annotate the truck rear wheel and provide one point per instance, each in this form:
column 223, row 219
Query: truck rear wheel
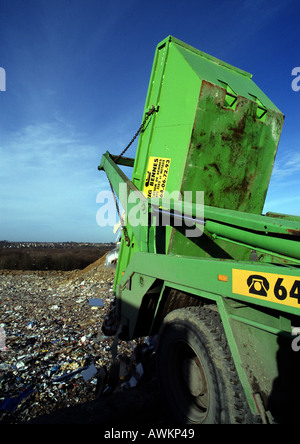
column 196, row 370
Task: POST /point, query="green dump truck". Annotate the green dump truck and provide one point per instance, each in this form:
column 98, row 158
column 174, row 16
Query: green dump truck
column 199, row 265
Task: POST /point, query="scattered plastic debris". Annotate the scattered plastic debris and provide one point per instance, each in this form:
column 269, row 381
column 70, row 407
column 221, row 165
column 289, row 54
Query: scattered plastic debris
column 96, row 302
column 112, row 257
column 53, row 353
column 89, row 373
column 10, row 404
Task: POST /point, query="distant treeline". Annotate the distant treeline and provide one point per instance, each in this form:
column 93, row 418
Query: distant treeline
column 65, row 259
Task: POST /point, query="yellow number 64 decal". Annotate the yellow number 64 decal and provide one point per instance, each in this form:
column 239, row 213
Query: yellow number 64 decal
column 271, row 287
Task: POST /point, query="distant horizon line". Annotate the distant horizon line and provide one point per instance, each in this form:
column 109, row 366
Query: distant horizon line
column 53, row 242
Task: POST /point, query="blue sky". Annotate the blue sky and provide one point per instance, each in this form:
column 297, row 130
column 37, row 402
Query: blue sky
column 77, row 74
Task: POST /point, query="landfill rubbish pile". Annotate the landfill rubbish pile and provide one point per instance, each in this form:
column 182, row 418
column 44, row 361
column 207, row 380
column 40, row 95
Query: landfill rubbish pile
column 53, row 353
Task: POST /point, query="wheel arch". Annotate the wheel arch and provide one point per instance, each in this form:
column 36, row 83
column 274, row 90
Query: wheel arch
column 173, row 298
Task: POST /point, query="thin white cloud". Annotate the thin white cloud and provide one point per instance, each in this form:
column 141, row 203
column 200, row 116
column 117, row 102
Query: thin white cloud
column 287, row 166
column 48, row 177
column 283, row 205
column 50, row 149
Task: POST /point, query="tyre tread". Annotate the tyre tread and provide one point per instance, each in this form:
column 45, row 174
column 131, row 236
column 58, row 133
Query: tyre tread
column 240, row 412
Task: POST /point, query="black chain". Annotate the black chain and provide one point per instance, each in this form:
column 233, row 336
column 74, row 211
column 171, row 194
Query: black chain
column 123, row 227
column 148, row 114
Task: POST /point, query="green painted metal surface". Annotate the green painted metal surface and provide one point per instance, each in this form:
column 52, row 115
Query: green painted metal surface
column 213, row 130
column 219, row 130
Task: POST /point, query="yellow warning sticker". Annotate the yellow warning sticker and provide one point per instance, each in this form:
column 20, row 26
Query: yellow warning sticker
column 156, row 176
column 270, row 287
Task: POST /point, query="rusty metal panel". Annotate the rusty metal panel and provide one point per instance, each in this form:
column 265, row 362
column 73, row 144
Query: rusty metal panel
column 231, row 152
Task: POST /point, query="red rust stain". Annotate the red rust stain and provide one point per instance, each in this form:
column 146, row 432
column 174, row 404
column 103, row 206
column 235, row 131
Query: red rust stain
column 294, row 232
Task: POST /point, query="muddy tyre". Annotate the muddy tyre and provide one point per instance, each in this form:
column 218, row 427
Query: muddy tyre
column 196, row 370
